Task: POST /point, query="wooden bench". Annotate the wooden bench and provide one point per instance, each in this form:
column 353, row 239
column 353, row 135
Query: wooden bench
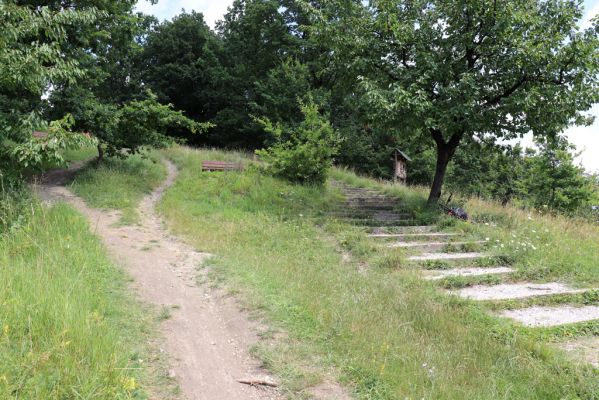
column 221, row 166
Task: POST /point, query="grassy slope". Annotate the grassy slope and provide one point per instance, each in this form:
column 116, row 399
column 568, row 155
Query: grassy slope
column 80, row 154
column 543, row 247
column 389, row 334
column 120, row 183
column 68, row 330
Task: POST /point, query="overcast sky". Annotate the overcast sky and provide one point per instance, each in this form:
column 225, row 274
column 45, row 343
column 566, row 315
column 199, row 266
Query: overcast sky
column 586, row 139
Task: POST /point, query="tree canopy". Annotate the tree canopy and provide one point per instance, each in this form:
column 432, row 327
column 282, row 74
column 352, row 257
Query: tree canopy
column 32, row 60
column 452, row 71
column 450, row 83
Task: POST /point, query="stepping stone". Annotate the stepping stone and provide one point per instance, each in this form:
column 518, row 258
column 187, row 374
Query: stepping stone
column 412, row 235
column 515, row 291
column 436, row 274
column 430, row 245
column 552, row 316
column 370, row 222
column 447, row 256
column 407, row 229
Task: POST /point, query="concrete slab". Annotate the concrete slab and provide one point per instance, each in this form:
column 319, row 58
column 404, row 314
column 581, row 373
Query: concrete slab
column 436, row 274
column 413, row 235
column 514, row 291
column 431, row 244
column 552, row 316
column 447, row 256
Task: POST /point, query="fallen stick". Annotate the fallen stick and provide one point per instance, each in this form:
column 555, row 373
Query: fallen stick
column 257, row 382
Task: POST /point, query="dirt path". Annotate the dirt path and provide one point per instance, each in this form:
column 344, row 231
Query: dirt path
column 207, row 337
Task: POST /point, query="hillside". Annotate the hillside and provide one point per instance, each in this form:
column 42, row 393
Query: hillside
column 353, row 305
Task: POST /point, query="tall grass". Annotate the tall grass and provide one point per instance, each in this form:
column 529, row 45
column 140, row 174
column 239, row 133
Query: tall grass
column 542, row 246
column 387, row 333
column 67, row 328
column 120, row 183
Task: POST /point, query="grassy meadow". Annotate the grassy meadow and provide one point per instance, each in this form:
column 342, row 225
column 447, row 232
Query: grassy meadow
column 120, row 184
column 68, row 327
column 68, row 330
column 541, row 246
column 386, row 333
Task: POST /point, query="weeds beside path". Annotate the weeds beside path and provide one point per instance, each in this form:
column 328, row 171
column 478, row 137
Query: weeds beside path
column 386, row 333
column 68, row 329
column 204, row 335
column 120, row 184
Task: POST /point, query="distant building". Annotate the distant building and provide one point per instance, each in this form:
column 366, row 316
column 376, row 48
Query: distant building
column 401, row 166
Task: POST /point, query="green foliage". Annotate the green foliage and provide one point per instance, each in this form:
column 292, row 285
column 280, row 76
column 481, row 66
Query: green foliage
column 144, row 123
column 304, row 152
column 546, row 178
column 256, row 38
column 32, row 58
column 181, row 63
column 278, row 94
column 49, row 149
column 386, row 333
column 439, row 69
column 554, row 182
column 120, row 184
column 125, row 129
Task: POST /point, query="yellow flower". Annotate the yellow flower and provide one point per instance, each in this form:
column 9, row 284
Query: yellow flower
column 129, row 383
column 5, row 329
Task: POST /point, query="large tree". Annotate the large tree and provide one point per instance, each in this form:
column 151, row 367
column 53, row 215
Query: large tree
column 457, row 70
column 111, row 102
column 181, row 63
column 256, row 39
column 32, row 60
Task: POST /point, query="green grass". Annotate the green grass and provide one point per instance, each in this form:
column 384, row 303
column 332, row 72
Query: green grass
column 387, row 334
column 80, row 154
column 68, row 330
column 542, row 247
column 120, row 184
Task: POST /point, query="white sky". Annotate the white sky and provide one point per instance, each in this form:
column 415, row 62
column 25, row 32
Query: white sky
column 585, row 138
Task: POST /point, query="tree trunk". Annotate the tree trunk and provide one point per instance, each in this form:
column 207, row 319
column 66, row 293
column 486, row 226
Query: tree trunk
column 100, row 154
column 443, row 157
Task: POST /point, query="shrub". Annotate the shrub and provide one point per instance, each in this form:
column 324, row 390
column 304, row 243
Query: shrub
column 302, row 153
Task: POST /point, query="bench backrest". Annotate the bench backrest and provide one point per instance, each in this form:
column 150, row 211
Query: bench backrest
column 221, row 166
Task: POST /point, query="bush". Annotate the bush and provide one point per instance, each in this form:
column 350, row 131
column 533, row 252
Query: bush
column 302, row 153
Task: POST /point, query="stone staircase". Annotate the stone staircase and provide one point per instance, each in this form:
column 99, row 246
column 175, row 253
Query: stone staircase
column 456, row 256
column 368, row 207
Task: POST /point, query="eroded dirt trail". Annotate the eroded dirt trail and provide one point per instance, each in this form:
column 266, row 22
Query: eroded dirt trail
column 207, row 337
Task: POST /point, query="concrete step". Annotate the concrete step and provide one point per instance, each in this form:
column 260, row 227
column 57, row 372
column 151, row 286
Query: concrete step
column 515, row 291
column 448, row 256
column 357, row 213
column 371, row 198
column 431, row 246
column 415, row 236
column 552, row 316
column 407, row 229
column 437, row 274
column 369, row 222
column 370, row 207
